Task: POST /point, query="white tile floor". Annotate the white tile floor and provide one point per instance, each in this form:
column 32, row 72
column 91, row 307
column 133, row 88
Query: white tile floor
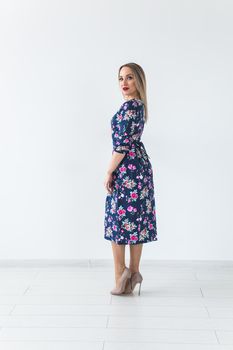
column 183, row 306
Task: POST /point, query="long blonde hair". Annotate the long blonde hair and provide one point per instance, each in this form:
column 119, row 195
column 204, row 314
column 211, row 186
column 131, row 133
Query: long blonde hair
column 140, row 83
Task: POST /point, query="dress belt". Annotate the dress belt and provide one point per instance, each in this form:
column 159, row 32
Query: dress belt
column 140, row 144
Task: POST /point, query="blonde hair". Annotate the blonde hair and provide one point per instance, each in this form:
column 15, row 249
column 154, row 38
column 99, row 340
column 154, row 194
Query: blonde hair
column 140, row 83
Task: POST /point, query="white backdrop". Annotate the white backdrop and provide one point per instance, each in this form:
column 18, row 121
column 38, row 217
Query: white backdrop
column 59, row 89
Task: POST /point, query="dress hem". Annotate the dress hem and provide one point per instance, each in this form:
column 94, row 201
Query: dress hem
column 109, row 239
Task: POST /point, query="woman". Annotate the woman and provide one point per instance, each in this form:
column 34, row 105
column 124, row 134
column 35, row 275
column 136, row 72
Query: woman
column 130, row 217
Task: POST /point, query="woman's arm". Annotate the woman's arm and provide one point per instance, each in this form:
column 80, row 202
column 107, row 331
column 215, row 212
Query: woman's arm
column 115, row 161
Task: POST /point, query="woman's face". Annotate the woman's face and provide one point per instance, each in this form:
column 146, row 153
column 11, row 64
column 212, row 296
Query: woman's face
column 127, row 83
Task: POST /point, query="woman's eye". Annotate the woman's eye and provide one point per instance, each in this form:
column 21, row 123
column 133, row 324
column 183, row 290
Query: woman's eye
column 127, row 77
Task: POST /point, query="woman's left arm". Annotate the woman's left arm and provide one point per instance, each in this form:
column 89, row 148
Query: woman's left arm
column 115, row 161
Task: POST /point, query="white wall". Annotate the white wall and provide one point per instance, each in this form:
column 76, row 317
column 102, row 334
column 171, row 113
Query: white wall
column 59, row 90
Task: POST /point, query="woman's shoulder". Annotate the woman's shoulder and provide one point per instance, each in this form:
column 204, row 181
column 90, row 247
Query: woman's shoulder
column 133, row 103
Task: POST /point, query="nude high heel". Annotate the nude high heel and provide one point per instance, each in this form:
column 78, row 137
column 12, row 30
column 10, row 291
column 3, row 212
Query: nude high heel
column 136, row 277
column 122, row 282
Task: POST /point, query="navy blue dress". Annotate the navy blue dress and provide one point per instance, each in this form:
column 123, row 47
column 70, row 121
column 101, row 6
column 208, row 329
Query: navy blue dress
column 130, row 212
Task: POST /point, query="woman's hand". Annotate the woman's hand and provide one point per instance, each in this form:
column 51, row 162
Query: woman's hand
column 108, row 183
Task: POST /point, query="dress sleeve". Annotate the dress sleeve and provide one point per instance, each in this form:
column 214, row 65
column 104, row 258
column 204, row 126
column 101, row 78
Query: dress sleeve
column 124, row 127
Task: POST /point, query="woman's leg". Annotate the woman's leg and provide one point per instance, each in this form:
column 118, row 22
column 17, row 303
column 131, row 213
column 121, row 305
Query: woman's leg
column 119, row 259
column 135, row 256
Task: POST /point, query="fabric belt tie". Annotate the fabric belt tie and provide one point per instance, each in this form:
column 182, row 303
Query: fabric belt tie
column 140, row 144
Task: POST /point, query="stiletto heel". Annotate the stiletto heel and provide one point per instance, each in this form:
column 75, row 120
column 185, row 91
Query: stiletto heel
column 139, row 288
column 136, row 277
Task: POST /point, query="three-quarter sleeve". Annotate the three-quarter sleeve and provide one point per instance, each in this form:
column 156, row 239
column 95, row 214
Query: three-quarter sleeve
column 123, row 127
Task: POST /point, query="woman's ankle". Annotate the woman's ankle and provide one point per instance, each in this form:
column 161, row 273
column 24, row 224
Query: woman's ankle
column 133, row 270
column 119, row 271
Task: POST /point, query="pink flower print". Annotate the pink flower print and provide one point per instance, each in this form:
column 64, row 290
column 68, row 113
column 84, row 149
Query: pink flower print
column 150, row 226
column 134, row 195
column 130, row 208
column 134, row 209
column 145, row 179
column 139, row 185
column 132, row 167
column 121, row 211
column 127, row 226
column 122, row 169
column 132, row 154
column 126, row 182
column 143, row 233
column 154, row 214
column 114, row 227
column 133, row 238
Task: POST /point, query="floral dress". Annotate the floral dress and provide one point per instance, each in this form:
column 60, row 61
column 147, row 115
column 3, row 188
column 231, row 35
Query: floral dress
column 130, row 212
